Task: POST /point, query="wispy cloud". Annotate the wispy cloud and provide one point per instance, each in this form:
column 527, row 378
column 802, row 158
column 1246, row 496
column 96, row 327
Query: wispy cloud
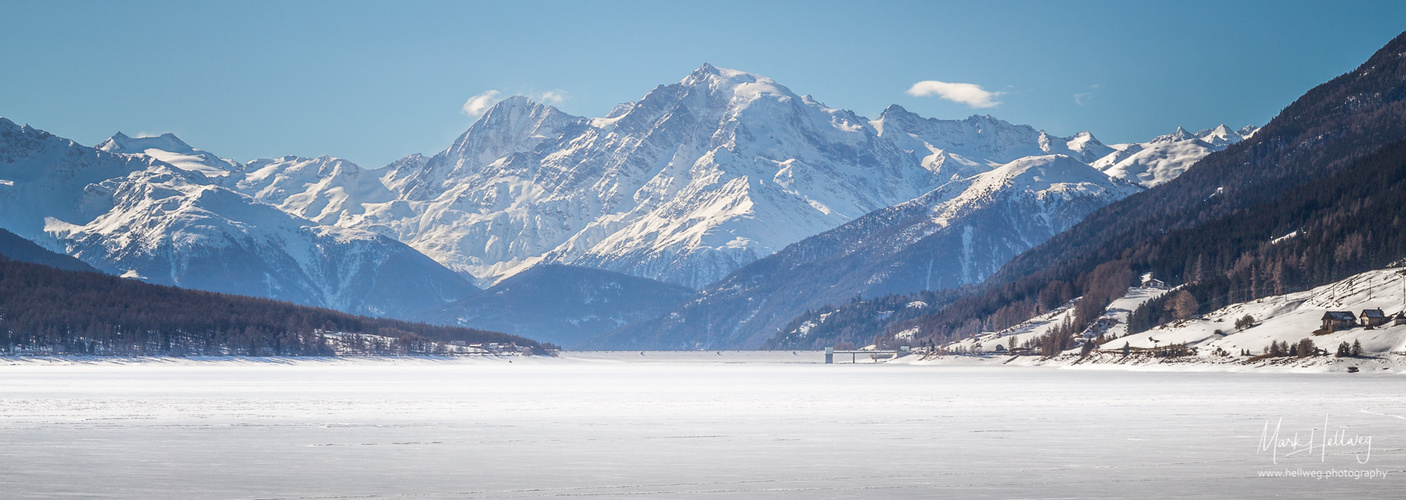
column 1083, row 98
column 552, row 97
column 965, row 93
column 476, row 105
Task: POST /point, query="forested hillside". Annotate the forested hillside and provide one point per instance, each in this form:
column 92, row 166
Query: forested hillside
column 1321, row 232
column 1319, row 135
column 854, row 323
column 17, row 248
column 51, row 311
column 564, row 305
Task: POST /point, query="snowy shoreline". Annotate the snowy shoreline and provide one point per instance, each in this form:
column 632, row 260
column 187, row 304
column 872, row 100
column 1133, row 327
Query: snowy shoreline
column 1387, row 364
column 259, row 361
column 1393, row 364
column 1233, row 338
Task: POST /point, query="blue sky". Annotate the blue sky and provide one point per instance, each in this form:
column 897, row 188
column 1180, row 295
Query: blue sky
column 374, row 81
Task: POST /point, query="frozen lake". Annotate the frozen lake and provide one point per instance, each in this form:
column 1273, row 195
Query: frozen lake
column 693, row 425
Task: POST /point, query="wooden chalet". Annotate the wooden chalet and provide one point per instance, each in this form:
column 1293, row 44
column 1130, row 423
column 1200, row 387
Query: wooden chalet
column 1149, row 282
column 1339, row 320
column 1400, row 318
column 1373, row 317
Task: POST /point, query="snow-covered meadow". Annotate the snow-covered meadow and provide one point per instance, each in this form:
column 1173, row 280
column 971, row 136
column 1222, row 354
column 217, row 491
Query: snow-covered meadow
column 682, row 425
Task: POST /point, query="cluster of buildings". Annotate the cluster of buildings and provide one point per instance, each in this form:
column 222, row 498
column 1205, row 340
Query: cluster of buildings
column 492, row 347
column 1345, row 320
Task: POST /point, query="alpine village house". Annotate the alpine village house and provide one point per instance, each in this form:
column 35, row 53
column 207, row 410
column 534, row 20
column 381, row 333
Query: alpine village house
column 1344, row 320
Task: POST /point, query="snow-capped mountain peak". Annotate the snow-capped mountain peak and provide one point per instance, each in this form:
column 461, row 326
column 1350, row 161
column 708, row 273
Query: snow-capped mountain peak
column 514, row 125
column 323, row 189
column 1166, row 156
column 705, row 69
column 976, row 144
column 122, row 143
column 170, row 149
column 684, row 185
column 1221, row 136
column 1037, row 177
column 1179, row 135
column 728, row 80
column 1083, row 146
column 962, row 148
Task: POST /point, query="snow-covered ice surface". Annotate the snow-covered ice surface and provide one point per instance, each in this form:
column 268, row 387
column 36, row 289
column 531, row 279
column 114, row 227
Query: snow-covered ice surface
column 679, row 425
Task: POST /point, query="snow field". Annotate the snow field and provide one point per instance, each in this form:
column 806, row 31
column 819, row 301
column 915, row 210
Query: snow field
column 614, row 425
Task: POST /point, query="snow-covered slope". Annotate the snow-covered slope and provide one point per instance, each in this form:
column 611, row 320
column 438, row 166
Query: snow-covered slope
column 515, row 125
column 1113, row 323
column 957, row 234
column 1292, row 317
column 1219, row 340
column 1167, row 156
column 960, row 148
column 324, row 190
column 170, row 149
column 137, row 216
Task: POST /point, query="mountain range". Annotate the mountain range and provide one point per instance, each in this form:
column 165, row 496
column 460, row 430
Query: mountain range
column 691, row 182
column 726, row 182
column 140, row 217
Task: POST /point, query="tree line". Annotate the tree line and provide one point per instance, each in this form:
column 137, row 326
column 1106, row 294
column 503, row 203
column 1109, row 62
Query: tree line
column 51, row 311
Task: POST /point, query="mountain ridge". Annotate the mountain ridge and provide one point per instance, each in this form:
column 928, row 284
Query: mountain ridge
column 957, row 234
column 681, row 185
column 132, row 214
column 49, row 311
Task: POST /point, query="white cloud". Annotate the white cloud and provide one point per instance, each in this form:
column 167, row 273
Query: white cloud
column 1083, row 98
column 552, row 97
column 476, row 105
column 965, row 93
